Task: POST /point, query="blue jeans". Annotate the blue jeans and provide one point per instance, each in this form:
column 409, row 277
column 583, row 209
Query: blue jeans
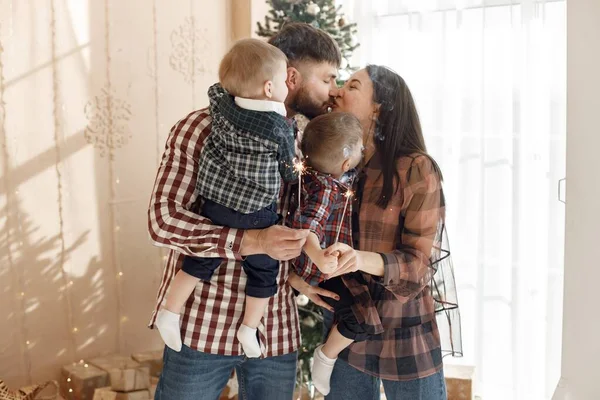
column 191, row 374
column 348, row 383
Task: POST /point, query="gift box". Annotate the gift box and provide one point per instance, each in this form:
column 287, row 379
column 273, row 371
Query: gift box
column 459, row 382
column 150, row 359
column 107, row 393
column 79, row 380
column 153, row 384
column 125, row 374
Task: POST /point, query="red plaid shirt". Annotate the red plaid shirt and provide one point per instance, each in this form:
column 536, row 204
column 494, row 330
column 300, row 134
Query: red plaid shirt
column 321, row 211
column 324, row 210
column 213, row 312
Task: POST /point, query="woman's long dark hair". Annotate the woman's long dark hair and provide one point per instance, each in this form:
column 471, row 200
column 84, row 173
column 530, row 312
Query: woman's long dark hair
column 397, row 129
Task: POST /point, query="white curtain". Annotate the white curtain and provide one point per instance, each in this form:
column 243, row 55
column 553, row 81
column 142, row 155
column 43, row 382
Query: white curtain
column 489, row 81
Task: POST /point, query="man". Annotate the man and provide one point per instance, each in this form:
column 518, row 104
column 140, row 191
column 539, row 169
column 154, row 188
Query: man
column 213, row 313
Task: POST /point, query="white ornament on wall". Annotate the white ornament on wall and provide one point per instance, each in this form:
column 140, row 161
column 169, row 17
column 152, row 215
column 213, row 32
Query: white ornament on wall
column 190, row 49
column 108, row 127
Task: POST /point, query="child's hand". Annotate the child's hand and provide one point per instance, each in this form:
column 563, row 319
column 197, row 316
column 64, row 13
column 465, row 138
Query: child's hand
column 336, row 254
column 326, row 263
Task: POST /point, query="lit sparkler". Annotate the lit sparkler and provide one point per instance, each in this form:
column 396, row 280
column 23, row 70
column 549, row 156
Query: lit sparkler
column 300, row 168
column 349, row 193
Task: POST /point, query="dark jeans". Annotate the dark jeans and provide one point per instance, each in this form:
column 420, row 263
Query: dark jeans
column 261, row 269
column 348, row 325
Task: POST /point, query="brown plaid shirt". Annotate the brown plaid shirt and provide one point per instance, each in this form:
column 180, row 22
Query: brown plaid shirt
column 406, row 234
column 213, row 312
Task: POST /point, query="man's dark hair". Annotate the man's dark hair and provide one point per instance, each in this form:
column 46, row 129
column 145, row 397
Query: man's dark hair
column 303, row 42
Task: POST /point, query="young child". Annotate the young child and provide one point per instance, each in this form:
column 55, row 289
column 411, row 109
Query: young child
column 249, row 150
column 332, row 148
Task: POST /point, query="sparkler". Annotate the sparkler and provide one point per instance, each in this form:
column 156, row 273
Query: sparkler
column 300, row 168
column 349, row 193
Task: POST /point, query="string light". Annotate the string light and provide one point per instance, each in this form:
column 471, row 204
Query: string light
column 112, row 178
column 12, row 231
column 57, row 113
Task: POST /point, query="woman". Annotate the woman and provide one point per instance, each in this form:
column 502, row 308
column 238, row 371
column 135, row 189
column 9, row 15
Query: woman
column 398, row 235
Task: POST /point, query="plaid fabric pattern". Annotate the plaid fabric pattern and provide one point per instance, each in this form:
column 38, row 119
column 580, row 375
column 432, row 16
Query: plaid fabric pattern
column 322, row 211
column 243, row 161
column 213, row 313
column 408, row 235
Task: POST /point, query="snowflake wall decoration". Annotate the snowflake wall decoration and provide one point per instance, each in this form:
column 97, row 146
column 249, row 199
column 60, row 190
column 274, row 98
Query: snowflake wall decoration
column 108, row 118
column 190, row 47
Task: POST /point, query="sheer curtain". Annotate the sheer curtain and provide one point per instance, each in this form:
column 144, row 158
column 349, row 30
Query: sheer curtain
column 489, row 79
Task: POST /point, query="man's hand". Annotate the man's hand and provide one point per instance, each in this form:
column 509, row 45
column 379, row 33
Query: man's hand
column 348, row 258
column 277, row 241
column 314, row 293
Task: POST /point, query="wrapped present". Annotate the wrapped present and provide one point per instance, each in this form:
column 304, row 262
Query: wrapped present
column 46, row 391
column 125, row 374
column 79, row 380
column 107, row 393
column 153, row 384
column 150, row 359
column 459, row 381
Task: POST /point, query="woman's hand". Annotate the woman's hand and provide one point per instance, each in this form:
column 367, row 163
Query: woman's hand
column 351, row 260
column 348, row 259
column 314, row 293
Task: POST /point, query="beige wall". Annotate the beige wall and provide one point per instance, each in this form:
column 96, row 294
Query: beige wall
column 581, row 332
column 244, row 16
column 72, row 217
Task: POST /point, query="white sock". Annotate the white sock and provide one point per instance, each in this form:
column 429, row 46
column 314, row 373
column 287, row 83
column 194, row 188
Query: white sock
column 321, row 370
column 247, row 337
column 167, row 323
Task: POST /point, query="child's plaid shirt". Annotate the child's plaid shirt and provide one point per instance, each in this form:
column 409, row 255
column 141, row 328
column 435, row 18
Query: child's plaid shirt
column 324, row 211
column 246, row 155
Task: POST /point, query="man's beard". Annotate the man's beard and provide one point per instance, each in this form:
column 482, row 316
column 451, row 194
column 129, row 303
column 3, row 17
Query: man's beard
column 307, row 106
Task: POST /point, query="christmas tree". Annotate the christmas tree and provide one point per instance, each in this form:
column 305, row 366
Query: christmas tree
column 323, row 14
column 311, row 325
